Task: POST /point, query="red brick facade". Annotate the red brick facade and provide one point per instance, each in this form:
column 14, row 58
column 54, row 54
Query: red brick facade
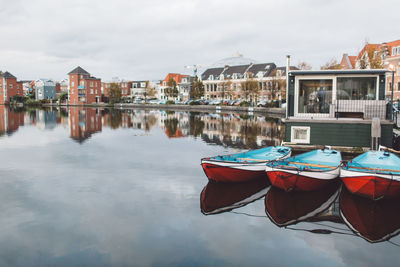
column 9, row 87
column 84, row 89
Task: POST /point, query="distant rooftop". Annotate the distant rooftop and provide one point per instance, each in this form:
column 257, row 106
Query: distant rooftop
column 7, row 75
column 78, row 70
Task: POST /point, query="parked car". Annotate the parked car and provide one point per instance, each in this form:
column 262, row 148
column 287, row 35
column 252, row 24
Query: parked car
column 154, row 101
column 261, row 103
column 139, row 101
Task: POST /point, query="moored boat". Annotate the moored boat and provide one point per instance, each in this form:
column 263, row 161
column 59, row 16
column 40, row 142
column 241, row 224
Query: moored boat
column 374, row 174
column 305, row 172
column 243, row 166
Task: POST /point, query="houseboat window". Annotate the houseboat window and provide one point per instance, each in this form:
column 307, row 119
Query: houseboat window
column 360, row 88
column 315, row 96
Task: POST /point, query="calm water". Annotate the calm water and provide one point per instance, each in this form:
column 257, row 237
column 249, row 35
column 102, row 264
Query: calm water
column 95, row 187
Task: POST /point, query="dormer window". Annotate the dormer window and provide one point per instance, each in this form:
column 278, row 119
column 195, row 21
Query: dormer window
column 221, row 77
column 184, row 80
column 396, row 51
column 278, row 73
column 211, row 78
column 234, row 76
column 260, row 74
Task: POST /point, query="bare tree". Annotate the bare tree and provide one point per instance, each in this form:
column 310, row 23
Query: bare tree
column 332, row 64
column 250, row 87
column 226, row 88
column 304, row 66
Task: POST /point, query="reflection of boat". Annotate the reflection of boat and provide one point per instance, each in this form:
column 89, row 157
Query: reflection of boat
column 221, row 197
column 242, row 166
column 305, row 172
column 374, row 174
column 285, row 208
column 375, row 221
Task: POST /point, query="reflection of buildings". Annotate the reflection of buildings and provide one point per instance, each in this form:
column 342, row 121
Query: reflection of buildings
column 84, row 122
column 236, row 131
column 46, row 119
column 9, row 120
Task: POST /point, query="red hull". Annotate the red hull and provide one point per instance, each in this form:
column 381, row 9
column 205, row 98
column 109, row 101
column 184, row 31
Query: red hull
column 227, row 174
column 372, row 187
column 294, row 182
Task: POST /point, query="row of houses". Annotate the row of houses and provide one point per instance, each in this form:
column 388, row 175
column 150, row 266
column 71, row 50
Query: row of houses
column 10, row 88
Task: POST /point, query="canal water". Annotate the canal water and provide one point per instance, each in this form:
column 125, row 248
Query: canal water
column 99, row 187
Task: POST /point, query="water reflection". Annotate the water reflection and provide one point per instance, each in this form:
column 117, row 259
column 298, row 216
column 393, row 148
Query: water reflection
column 221, row 197
column 331, row 210
column 229, row 130
column 287, row 208
column 375, row 221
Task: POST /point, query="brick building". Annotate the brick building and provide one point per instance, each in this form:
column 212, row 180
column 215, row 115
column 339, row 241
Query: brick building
column 9, row 87
column 83, row 88
column 389, row 53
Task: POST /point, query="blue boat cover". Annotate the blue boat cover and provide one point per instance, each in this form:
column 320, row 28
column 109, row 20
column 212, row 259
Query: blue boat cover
column 375, row 161
column 257, row 155
column 317, row 160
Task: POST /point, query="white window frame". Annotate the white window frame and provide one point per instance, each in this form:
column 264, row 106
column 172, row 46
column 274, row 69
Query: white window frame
column 302, row 128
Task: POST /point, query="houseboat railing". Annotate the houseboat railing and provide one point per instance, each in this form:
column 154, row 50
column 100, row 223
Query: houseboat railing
column 362, row 109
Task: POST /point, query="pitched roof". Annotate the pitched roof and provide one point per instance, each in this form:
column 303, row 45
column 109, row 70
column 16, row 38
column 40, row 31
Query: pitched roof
column 282, row 70
column 175, row 76
column 78, row 70
column 7, row 75
column 241, row 69
column 265, row 68
column 391, row 45
column 213, row 71
column 367, row 48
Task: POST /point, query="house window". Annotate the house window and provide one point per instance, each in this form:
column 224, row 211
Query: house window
column 91, row 84
column 143, row 85
column 91, row 91
column 300, row 135
column 315, row 96
column 10, row 86
column 360, row 88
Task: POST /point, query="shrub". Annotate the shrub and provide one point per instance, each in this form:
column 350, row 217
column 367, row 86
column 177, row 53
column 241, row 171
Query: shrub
column 170, row 102
column 245, row 104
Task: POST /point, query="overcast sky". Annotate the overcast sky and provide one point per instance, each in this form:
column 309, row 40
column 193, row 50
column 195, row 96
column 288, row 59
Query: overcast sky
column 137, row 40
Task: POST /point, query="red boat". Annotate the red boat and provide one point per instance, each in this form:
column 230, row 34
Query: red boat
column 222, row 197
column 374, row 174
column 306, row 172
column 375, row 221
column 243, row 166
